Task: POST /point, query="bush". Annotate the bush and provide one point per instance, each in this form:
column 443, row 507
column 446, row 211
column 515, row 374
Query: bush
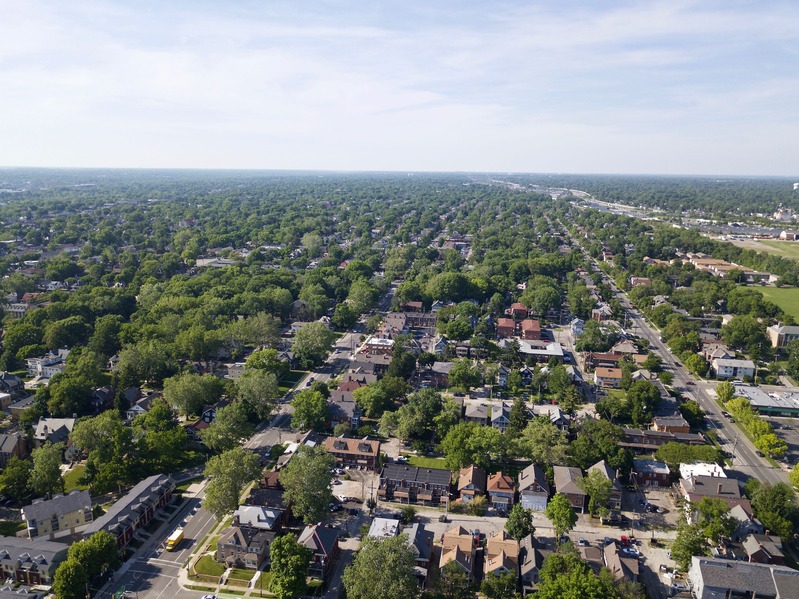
column 478, row 506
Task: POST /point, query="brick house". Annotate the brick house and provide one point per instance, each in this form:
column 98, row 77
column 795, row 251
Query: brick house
column 650, row 473
column 501, row 490
column 531, row 329
column 471, row 483
column 609, row 378
column 244, row 547
column 411, row 484
column 359, row 453
column 31, row 562
column 506, row 327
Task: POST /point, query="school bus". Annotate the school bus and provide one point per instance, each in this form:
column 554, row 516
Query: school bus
column 174, row 539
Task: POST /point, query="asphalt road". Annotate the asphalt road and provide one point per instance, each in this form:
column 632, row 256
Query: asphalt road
column 745, row 460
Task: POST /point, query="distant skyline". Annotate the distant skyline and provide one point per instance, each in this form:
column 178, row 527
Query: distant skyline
column 672, row 87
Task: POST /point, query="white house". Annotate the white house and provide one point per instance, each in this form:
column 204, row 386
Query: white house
column 726, row 368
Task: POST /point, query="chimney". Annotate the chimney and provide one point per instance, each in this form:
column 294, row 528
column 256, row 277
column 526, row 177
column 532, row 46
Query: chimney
column 719, row 487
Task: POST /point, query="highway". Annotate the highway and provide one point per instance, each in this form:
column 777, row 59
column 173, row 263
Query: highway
column 745, row 458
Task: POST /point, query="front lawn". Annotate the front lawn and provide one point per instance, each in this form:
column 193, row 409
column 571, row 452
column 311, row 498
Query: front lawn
column 71, row 478
column 423, row 462
column 241, row 574
column 208, row 566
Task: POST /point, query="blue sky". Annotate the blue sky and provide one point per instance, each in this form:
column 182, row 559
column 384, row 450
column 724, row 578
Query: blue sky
column 676, row 87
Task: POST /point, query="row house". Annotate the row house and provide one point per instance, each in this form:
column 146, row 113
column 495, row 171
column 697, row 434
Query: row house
column 30, row 562
column 421, row 320
column 45, row 518
column 358, row 453
column 411, row 484
column 651, row 473
column 694, row 488
column 642, row 440
column 711, row 578
column 135, row 509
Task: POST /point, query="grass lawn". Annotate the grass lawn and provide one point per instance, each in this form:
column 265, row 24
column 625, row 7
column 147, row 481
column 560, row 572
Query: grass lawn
column 293, row 377
column 9, row 529
column 426, row 462
column 71, row 478
column 181, row 488
column 786, row 298
column 241, row 574
column 788, row 249
column 209, row 567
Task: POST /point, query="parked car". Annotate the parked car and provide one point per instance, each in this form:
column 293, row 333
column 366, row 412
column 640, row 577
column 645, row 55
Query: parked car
column 678, row 586
column 582, row 542
column 401, row 460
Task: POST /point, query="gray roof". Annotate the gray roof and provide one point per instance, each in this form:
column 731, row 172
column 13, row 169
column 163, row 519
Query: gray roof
column 436, row 476
column 16, row 549
column 566, row 480
column 257, row 516
column 650, row 466
column 733, row 363
column 58, row 505
column 421, row 539
column 711, row 486
column 770, row 544
column 9, row 592
column 530, row 558
column 126, row 509
column 53, row 429
column 747, row 577
column 533, row 473
column 8, row 443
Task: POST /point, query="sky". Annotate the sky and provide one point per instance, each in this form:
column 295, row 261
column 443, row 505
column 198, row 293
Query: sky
column 671, row 87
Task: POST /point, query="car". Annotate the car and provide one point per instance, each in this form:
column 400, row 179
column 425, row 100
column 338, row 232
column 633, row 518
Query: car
column 690, row 383
column 564, row 539
column 678, row 586
column 631, row 551
column 335, row 481
column 582, row 542
column 209, row 596
column 335, row 507
column 338, row 471
column 401, row 460
column 342, row 498
column 608, row 540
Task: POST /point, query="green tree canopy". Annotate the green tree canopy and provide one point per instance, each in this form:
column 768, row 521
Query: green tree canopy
column 382, row 568
column 306, row 480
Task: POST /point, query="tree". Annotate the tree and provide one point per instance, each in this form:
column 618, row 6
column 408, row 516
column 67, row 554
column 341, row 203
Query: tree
column 189, row 393
column 372, row 399
column 46, row 474
column 725, row 392
column 66, row 333
column 382, row 568
column 112, row 458
column 561, row 514
column 543, row 442
column 470, row 443
column 517, row 420
column 674, row 454
column 313, row 343
column 666, row 377
column 70, row 580
column 598, row 486
column 642, row 398
column 598, row 440
column 289, row 564
column 229, row 473
column 407, row 514
column 453, row 582
column 306, row 480
column 15, row 479
column 267, row 360
column 97, row 553
column 310, row 411
column 713, row 516
column 693, row 413
column 161, row 440
column 566, row 576
column 464, row 375
column 229, row 428
column 499, row 586
column 744, row 332
column 520, row 522
column 690, row 541
column 259, row 390
column 771, row 445
column 775, row 506
column 344, row 317
column 697, row 365
column 793, row 476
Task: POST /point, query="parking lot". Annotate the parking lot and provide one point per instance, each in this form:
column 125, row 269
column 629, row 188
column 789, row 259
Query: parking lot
column 787, row 429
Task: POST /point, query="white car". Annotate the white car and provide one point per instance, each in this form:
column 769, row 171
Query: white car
column 678, row 586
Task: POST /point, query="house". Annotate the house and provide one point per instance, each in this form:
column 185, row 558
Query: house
column 12, row 445
column 420, row 541
column 458, row 545
column 411, row 484
column 502, row 375
column 135, row 509
column 383, row 528
column 31, row 562
column 10, row 383
column 506, row 327
column 235, row 370
column 140, row 402
column 412, row 307
column 693, row 489
column 637, row 281
column 439, row 373
column 475, row 411
column 501, row 555
column 531, row 329
column 747, row 523
column 671, row 424
column 602, row 313
column 9, row 591
column 555, row 415
column 614, row 498
column 711, row 351
column 764, row 549
column 609, row 378
column 593, row 556
column 701, row 469
column 533, row 488
column 577, row 326
column 624, row 347
column 48, row 365
column 530, row 561
column 259, row 517
column 244, row 547
column 621, row 567
column 781, row 335
column 18, row 407
column 714, row 578
column 501, row 490
column 323, row 542
column 471, row 483
column 102, row 399
column 518, row 310
column 650, row 473
column 594, row 360
column 567, row 482
column 500, row 416
column 52, row 430
column 359, row 453
column 733, row 369
column 62, row 513
column 538, row 351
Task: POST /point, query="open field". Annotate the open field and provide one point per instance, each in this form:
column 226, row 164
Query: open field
column 786, row 249
column 786, row 298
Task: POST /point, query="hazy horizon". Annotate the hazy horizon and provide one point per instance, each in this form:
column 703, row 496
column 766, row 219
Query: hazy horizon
column 664, row 88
